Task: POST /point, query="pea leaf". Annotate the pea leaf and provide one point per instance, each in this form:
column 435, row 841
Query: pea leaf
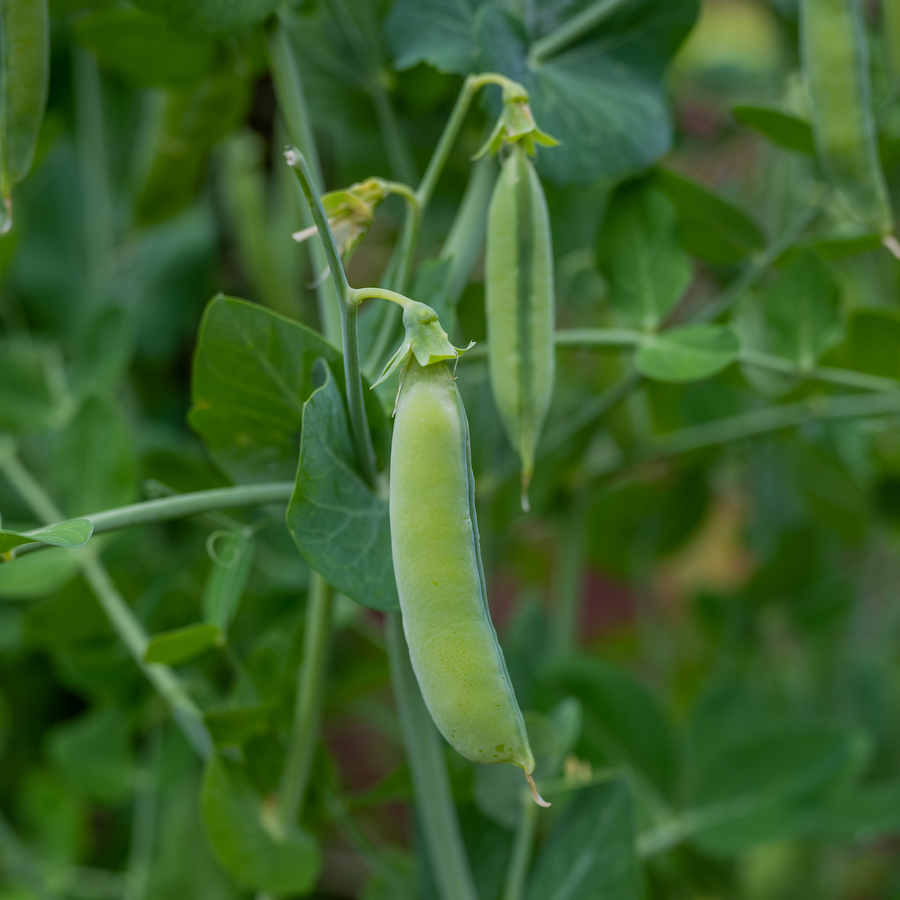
column 803, row 312
column 28, row 404
column 340, row 525
column 219, row 17
column 143, row 49
column 780, row 128
column 859, row 814
column 600, row 96
column 181, row 644
column 243, row 842
column 67, row 534
column 639, row 250
column 712, row 229
column 590, row 853
column 687, row 354
column 232, row 727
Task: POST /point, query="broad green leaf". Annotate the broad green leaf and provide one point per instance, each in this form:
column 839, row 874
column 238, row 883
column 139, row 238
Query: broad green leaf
column 639, row 250
column 600, row 96
column 623, row 721
column 803, row 312
column 227, row 579
column 25, row 55
column 590, row 852
column 181, row 644
column 232, row 727
column 95, row 466
column 252, row 375
column 685, row 354
column 143, row 49
column 236, row 824
column 67, row 534
column 37, row 574
column 340, row 525
column 94, row 756
column 780, row 128
column 859, row 814
column 712, row 229
column 219, row 17
column 766, row 786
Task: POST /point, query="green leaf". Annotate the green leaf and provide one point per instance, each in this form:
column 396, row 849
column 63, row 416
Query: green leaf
column 872, row 344
column 67, row 534
column 685, row 354
column 831, row 245
column 246, row 846
column 590, row 852
column 25, row 51
column 712, row 229
column 766, row 786
column 95, row 466
column 219, row 17
column 780, row 128
column 28, row 404
column 601, row 96
column 70, row 616
column 37, row 574
column 232, row 727
column 858, row 815
column 143, row 49
column 227, row 578
column 339, row 524
column 181, row 644
column 639, row 250
column 803, row 312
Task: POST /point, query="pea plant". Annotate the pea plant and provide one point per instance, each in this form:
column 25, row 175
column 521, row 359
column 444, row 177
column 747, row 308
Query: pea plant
column 518, row 519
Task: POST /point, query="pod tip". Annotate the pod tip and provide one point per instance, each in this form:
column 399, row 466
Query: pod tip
column 535, row 795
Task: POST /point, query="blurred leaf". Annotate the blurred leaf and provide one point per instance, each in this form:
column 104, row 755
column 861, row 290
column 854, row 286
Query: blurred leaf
column 227, row 579
column 232, row 727
column 712, row 229
column 233, row 816
column 181, row 644
column 143, row 49
column 872, row 344
column 764, row 786
column 67, row 534
column 340, row 525
column 830, row 245
column 28, row 404
column 102, row 350
column 857, row 815
column 601, row 96
column 590, row 851
column 53, row 814
column 803, row 312
column 37, row 574
column 220, row 17
column 95, row 467
column 639, row 251
column 71, row 615
column 780, row 128
column 686, row 354
column 93, row 754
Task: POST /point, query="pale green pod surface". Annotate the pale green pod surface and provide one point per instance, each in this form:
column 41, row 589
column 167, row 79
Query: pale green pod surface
column 437, row 562
column 520, row 306
column 24, row 79
column 836, row 62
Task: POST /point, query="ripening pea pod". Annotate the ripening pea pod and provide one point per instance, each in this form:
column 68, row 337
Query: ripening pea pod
column 24, row 79
column 440, row 580
column 520, row 306
column 836, row 63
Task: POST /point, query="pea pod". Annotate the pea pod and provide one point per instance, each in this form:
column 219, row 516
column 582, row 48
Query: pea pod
column 836, row 62
column 440, row 580
column 520, row 306
column 24, row 79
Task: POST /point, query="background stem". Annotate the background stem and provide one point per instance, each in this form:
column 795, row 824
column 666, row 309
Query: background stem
column 516, row 875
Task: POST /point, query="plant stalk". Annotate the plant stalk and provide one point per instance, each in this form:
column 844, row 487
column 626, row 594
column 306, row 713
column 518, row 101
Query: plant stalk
column 517, row 873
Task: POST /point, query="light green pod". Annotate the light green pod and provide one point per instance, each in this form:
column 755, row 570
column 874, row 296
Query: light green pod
column 836, row 62
column 437, row 562
column 520, row 306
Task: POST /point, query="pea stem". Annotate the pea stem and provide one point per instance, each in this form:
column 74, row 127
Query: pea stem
column 571, row 30
column 424, row 753
column 374, row 293
column 307, row 709
column 124, row 622
column 517, row 873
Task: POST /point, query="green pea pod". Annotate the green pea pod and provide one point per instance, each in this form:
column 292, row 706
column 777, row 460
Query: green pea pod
column 836, row 61
column 520, row 306
column 24, row 78
column 440, row 580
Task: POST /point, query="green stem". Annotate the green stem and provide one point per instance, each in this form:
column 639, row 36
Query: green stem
column 20, row 862
column 375, row 293
column 122, row 619
column 143, row 827
column 428, row 767
column 516, row 875
column 349, row 309
column 308, row 705
column 573, row 29
column 182, row 505
column 294, row 111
